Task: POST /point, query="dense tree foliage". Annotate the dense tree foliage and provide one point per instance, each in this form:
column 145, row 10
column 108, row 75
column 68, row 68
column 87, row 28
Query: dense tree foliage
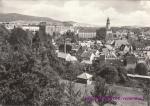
column 146, row 91
column 73, row 70
column 108, row 72
column 122, row 73
column 69, row 35
column 29, row 78
column 101, row 90
column 141, row 69
column 111, row 72
column 101, row 34
column 73, row 96
column 63, row 46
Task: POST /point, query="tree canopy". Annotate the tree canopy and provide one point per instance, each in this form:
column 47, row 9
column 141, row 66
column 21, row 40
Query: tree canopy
column 29, row 78
column 108, row 72
column 141, row 69
column 101, row 33
column 101, row 90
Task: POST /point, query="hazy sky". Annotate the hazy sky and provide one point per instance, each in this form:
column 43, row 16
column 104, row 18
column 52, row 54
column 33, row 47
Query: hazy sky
column 121, row 12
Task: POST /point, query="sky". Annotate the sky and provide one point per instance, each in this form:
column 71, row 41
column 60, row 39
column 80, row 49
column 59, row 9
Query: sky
column 120, row 12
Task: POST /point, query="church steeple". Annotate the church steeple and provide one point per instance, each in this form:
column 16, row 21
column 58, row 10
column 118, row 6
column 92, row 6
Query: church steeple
column 108, row 24
column 109, row 34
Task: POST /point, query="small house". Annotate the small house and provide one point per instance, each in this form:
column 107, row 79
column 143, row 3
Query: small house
column 85, row 78
column 87, row 57
column 66, row 57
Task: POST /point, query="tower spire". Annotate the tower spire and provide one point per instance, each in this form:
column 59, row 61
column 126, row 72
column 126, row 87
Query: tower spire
column 108, row 24
column 109, row 34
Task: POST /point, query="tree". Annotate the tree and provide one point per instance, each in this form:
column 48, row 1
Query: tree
column 101, row 90
column 71, row 35
column 20, row 39
column 101, row 34
column 146, row 91
column 29, row 78
column 73, row 97
column 141, row 69
column 26, row 80
column 73, row 70
column 4, row 33
column 122, row 73
column 108, row 72
column 47, row 47
column 68, row 48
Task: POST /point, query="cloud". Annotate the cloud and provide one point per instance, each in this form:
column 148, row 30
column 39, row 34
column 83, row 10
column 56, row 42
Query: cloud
column 1, row 6
column 145, row 5
column 123, row 12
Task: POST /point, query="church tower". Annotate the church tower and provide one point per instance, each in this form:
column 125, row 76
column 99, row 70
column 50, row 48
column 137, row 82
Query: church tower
column 108, row 24
column 109, row 34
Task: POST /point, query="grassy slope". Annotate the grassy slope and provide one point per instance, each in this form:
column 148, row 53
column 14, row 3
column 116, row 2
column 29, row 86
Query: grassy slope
column 122, row 91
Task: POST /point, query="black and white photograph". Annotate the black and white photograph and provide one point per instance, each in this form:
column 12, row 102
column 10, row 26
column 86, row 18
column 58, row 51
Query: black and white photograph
column 74, row 52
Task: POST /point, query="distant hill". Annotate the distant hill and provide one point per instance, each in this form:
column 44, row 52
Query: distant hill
column 11, row 17
column 8, row 17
